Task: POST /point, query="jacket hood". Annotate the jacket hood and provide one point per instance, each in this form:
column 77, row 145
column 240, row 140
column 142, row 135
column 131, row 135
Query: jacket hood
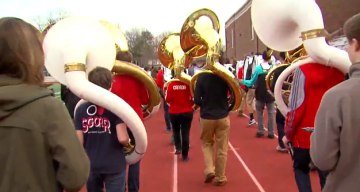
column 14, row 95
column 321, row 73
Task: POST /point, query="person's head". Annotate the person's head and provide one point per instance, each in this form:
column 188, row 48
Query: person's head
column 200, row 63
column 101, row 77
column 147, row 68
column 266, row 56
column 124, row 56
column 21, row 53
column 352, row 33
column 222, row 58
column 282, row 57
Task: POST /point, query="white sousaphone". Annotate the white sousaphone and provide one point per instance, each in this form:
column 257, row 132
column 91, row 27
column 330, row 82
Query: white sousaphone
column 73, row 47
column 296, row 22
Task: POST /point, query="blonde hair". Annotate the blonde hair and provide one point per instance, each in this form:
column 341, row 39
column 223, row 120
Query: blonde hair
column 21, row 53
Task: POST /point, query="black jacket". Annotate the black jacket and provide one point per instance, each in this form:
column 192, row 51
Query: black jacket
column 211, row 95
column 70, row 100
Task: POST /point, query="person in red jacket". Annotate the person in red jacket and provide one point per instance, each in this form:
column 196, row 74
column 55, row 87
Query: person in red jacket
column 160, row 83
column 180, row 102
column 243, row 91
column 132, row 91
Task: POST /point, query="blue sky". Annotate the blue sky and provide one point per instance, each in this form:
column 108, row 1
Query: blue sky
column 155, row 15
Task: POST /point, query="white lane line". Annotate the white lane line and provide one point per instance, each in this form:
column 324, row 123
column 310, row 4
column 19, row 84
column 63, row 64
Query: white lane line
column 257, row 183
column 264, row 127
column 175, row 173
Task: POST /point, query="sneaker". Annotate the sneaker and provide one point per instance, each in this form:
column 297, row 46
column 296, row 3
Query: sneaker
column 172, row 140
column 258, row 134
column 209, row 177
column 218, row 183
column 251, row 122
column 185, row 159
column 167, row 130
column 177, row 152
column 240, row 114
column 280, row 149
column 271, row 136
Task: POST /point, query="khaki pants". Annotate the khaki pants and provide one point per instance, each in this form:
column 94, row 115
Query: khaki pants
column 220, row 129
column 248, row 100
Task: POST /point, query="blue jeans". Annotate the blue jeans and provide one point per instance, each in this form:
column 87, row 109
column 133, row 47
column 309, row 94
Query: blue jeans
column 113, row 182
column 167, row 115
column 134, row 177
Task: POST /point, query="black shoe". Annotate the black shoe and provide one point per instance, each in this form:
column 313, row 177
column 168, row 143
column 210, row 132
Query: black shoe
column 185, row 159
column 177, row 152
column 271, row 136
column 258, row 134
column 167, row 130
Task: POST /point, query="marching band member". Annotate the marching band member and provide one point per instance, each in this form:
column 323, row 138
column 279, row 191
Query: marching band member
column 105, row 142
column 313, row 76
column 160, row 83
column 180, row 102
column 335, row 140
column 30, row 116
column 127, row 88
column 263, row 97
column 211, row 95
column 243, row 91
column 249, row 67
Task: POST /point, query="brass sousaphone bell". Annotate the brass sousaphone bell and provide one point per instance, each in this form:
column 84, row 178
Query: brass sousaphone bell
column 198, row 38
column 173, row 57
column 125, row 68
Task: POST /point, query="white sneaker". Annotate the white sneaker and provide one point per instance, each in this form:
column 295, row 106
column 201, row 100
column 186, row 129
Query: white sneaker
column 251, row 122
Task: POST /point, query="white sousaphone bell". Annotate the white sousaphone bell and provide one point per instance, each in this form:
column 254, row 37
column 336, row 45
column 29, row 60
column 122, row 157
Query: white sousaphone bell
column 294, row 23
column 73, row 47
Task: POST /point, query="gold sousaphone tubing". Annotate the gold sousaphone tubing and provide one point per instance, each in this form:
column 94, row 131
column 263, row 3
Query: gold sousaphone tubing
column 200, row 37
column 126, row 68
column 173, row 57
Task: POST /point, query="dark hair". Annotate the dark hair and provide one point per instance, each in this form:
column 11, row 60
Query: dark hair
column 282, row 55
column 124, row 56
column 147, row 68
column 21, row 53
column 227, row 61
column 352, row 28
column 101, row 77
column 222, row 58
column 265, row 56
column 172, row 73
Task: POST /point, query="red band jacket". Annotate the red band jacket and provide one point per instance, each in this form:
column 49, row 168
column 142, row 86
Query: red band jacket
column 310, row 83
column 132, row 91
column 179, row 98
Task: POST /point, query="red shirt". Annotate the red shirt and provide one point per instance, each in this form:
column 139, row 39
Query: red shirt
column 312, row 81
column 132, row 91
column 178, row 97
column 240, row 76
column 160, row 79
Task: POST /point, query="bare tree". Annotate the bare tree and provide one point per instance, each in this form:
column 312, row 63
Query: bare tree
column 141, row 45
column 44, row 21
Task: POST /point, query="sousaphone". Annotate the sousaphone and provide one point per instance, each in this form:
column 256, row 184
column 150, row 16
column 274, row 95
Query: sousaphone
column 281, row 31
column 72, row 48
column 173, row 57
column 125, row 68
column 199, row 37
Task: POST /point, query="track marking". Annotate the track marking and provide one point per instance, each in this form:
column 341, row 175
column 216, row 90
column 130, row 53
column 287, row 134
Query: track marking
column 175, row 173
column 257, row 123
column 257, row 183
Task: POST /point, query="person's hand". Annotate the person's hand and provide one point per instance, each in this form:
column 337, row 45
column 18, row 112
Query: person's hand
column 286, row 142
column 194, row 107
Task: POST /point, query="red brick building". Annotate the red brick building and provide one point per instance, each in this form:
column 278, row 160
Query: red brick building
column 241, row 39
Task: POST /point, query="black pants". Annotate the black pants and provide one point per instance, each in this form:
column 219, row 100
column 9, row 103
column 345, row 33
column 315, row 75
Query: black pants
column 280, row 125
column 181, row 124
column 301, row 169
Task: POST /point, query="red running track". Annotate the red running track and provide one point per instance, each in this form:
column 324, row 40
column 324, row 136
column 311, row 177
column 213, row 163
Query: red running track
column 253, row 164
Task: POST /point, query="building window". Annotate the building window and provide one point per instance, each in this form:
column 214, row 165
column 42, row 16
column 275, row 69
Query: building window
column 252, row 32
column 232, row 38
